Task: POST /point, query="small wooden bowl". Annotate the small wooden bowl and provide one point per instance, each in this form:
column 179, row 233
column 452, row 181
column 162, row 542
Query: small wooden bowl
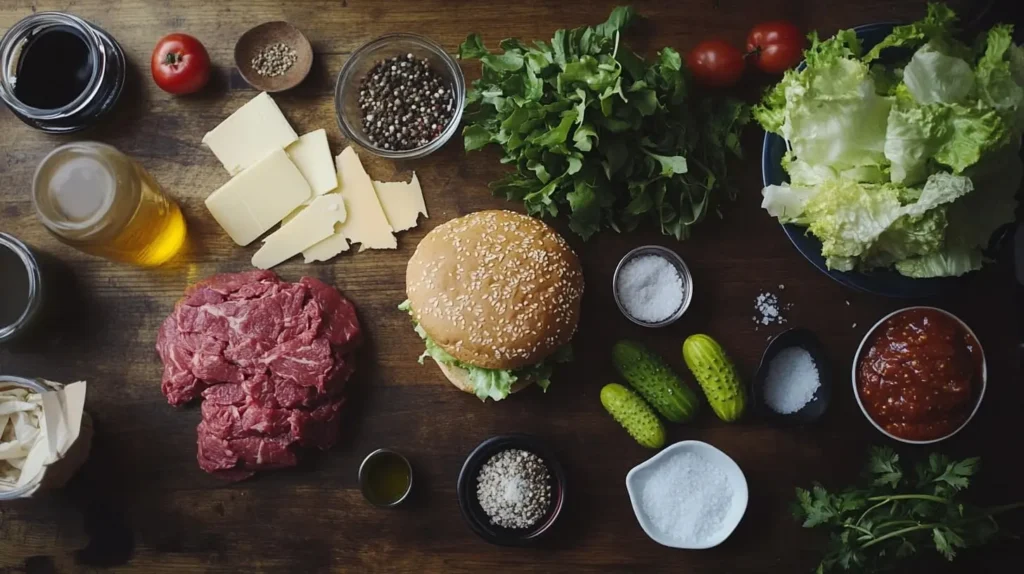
column 255, row 39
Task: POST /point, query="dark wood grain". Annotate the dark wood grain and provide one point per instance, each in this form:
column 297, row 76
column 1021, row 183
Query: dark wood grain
column 141, row 503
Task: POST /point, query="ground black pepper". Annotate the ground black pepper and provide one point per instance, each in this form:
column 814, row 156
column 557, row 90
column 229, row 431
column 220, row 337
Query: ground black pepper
column 405, row 104
column 513, row 489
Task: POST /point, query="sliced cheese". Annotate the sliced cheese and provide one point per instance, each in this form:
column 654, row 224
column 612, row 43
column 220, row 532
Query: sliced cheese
column 312, row 156
column 328, row 248
column 259, row 197
column 308, row 228
column 249, row 134
column 402, row 202
column 366, row 224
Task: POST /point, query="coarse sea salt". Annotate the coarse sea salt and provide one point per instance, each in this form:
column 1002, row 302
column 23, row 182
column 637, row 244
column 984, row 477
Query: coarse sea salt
column 650, row 288
column 791, row 382
column 770, row 310
column 686, row 498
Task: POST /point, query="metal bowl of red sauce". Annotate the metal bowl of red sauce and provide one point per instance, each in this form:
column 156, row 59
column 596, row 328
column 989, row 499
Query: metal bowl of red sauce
column 919, row 375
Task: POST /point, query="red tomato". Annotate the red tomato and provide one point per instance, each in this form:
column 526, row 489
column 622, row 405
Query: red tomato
column 715, row 63
column 775, row 46
column 180, row 64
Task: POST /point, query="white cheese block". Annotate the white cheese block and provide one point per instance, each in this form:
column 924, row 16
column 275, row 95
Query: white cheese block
column 249, row 134
column 259, row 197
column 312, row 156
column 366, row 224
column 402, row 202
column 311, row 226
column 328, row 248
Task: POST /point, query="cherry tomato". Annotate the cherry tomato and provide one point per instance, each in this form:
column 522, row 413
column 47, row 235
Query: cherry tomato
column 775, row 46
column 716, row 63
column 180, row 64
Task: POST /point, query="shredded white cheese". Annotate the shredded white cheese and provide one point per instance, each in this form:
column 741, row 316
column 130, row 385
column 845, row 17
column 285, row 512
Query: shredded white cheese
column 21, row 412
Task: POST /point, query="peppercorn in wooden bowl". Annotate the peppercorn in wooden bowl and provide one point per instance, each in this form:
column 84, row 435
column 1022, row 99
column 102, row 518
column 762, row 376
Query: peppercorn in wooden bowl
column 274, row 56
column 520, row 482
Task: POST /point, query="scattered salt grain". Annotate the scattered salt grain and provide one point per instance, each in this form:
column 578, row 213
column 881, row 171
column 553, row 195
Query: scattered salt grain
column 854, row 326
column 791, row 382
column 650, row 288
column 768, row 307
column 686, row 498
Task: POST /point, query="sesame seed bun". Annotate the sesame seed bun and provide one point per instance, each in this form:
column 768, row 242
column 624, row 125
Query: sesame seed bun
column 460, row 378
column 496, row 289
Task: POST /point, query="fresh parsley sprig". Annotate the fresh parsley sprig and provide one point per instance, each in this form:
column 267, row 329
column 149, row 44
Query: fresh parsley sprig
column 896, row 515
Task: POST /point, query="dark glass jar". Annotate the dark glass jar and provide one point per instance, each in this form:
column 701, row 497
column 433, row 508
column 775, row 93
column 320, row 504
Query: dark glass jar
column 21, row 289
column 70, row 72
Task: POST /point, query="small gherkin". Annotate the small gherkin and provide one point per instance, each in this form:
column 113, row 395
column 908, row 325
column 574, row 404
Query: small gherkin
column 717, row 376
column 634, row 415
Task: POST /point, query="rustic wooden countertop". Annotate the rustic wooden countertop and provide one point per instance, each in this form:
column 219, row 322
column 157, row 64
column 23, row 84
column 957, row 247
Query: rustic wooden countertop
column 142, row 504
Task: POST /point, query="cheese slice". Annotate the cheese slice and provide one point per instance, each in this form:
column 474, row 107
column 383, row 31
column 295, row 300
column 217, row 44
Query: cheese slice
column 312, row 156
column 310, row 227
column 402, row 202
column 328, row 248
column 249, row 134
column 366, row 223
column 259, row 197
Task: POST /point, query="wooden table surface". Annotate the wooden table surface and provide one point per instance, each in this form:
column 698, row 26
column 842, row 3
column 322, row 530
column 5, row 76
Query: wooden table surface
column 142, row 504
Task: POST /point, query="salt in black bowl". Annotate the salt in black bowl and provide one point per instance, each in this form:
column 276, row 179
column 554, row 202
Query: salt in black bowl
column 817, row 406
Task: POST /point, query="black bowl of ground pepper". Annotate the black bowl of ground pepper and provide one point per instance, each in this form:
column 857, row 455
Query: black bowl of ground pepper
column 470, row 496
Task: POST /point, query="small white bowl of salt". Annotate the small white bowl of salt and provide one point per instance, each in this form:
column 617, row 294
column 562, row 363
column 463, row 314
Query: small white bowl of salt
column 652, row 286
column 690, row 495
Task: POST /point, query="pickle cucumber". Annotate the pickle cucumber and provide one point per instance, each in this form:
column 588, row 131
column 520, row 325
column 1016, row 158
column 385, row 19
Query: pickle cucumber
column 646, row 372
column 716, row 375
column 634, row 415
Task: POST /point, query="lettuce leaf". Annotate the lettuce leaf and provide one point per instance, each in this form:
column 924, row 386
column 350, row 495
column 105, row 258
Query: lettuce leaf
column 1000, row 75
column 494, row 384
column 934, row 77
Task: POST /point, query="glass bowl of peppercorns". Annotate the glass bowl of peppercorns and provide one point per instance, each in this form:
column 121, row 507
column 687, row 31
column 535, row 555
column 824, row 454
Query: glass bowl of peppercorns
column 400, row 96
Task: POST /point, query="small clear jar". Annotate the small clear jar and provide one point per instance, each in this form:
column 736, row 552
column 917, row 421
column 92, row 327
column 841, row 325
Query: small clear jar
column 34, row 285
column 101, row 91
column 98, row 200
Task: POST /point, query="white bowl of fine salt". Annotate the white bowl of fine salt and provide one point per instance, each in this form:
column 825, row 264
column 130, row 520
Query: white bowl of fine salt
column 652, row 286
column 690, row 495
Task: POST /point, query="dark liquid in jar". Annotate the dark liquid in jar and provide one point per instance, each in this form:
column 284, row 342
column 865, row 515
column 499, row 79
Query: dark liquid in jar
column 54, row 69
column 14, row 287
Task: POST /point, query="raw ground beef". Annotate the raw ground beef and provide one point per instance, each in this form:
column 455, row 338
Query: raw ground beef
column 269, row 359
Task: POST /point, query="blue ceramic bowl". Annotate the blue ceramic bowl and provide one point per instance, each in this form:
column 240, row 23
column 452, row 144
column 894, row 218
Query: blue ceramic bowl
column 886, row 282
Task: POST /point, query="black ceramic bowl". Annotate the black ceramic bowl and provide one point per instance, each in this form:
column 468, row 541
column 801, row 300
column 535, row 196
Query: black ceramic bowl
column 475, row 515
column 813, row 410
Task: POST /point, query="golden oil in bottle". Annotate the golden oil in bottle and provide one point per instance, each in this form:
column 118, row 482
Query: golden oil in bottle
column 100, row 201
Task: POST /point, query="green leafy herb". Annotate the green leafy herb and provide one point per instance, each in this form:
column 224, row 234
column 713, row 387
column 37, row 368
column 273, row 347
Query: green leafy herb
column 895, row 515
column 598, row 133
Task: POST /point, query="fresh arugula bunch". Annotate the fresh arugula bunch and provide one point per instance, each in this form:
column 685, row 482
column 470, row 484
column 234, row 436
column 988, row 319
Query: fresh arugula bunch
column 595, row 131
column 897, row 515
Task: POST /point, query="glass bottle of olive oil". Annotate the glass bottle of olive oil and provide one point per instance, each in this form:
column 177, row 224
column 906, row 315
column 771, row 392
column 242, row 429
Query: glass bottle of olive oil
column 100, row 201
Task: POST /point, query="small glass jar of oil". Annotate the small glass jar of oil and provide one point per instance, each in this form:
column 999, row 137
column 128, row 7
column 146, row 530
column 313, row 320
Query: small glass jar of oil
column 100, row 201
column 385, row 477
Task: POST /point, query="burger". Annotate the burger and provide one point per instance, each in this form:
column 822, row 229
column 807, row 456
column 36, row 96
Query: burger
column 495, row 296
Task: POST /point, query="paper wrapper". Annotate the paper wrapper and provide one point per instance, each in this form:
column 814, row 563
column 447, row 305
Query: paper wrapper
column 65, row 441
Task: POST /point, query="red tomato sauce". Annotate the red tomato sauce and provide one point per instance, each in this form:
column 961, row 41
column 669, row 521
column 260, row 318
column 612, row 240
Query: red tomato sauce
column 920, row 375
